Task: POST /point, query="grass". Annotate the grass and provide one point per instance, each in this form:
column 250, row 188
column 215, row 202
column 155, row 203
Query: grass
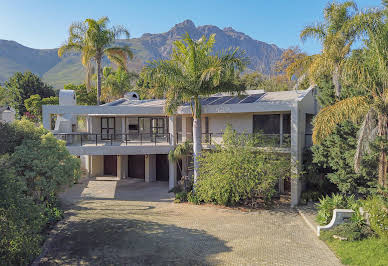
column 371, row 251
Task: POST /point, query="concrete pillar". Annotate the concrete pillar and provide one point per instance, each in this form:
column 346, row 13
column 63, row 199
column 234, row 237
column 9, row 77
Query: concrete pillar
column 172, row 165
column 150, row 168
column 281, row 130
column 123, row 129
column 97, row 165
column 122, row 166
column 297, row 136
column 172, row 130
column 46, row 116
column 184, row 129
column 172, row 180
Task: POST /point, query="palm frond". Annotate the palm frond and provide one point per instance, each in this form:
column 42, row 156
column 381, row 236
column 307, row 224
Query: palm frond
column 353, row 109
column 119, row 55
column 317, row 32
column 367, row 132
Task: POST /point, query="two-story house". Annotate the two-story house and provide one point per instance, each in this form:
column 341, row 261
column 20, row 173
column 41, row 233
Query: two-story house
column 131, row 138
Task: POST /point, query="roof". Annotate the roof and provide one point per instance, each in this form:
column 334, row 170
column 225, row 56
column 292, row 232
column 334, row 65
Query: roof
column 250, row 96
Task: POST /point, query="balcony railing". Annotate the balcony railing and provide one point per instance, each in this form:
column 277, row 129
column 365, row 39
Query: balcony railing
column 261, row 140
column 92, row 139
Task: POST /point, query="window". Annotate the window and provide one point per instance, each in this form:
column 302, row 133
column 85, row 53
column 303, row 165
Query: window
column 107, row 127
column 286, row 123
column 266, row 124
column 133, row 127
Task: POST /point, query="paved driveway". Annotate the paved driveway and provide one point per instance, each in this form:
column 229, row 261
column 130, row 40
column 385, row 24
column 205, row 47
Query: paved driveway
column 129, row 222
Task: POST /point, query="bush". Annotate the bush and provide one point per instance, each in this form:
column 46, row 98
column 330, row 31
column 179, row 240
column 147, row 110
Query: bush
column 377, row 207
column 335, row 157
column 181, row 196
column 238, row 172
column 21, row 219
column 352, row 231
column 327, row 204
column 34, row 167
column 193, row 198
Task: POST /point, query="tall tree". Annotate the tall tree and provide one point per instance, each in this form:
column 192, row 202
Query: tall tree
column 94, row 40
column 116, row 83
column 20, row 87
column 192, row 72
column 336, row 34
column 367, row 68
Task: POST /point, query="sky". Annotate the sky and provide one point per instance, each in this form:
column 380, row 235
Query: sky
column 44, row 23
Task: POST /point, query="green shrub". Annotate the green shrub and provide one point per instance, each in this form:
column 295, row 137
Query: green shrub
column 377, row 207
column 327, row 204
column 193, row 198
column 21, row 219
column 335, row 156
column 181, row 196
column 34, row 167
column 238, row 172
column 352, row 231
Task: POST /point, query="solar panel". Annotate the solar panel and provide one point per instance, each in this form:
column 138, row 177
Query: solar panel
column 206, row 101
column 252, row 98
column 235, row 100
column 221, row 100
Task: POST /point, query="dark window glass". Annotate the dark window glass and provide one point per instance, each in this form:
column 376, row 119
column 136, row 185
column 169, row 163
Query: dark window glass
column 132, row 127
column 287, row 123
column 266, row 124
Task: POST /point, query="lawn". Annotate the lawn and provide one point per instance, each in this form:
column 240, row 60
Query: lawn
column 371, row 251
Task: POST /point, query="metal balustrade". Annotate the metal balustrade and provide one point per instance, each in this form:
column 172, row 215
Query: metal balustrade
column 96, row 139
column 261, row 140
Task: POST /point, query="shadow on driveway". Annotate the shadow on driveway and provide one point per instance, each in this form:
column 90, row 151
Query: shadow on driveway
column 132, row 242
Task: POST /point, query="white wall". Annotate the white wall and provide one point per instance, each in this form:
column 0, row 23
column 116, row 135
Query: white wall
column 239, row 122
column 97, row 165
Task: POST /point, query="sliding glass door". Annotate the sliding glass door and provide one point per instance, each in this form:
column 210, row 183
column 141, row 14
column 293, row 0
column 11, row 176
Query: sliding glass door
column 107, row 127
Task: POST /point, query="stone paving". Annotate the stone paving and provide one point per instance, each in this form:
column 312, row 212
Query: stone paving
column 127, row 222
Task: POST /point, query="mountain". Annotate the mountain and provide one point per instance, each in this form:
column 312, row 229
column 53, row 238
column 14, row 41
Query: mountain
column 59, row 71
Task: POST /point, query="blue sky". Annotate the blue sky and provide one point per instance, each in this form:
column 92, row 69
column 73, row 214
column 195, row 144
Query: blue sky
column 44, row 23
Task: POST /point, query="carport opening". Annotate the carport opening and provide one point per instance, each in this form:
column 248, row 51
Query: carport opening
column 110, row 165
column 162, row 168
column 136, row 166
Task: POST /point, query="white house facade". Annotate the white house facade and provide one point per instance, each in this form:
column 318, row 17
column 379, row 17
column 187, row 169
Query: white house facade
column 131, row 138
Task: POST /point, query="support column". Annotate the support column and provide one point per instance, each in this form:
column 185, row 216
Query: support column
column 150, row 168
column 122, row 166
column 297, row 130
column 172, row 165
column 281, row 130
column 184, row 129
column 123, row 129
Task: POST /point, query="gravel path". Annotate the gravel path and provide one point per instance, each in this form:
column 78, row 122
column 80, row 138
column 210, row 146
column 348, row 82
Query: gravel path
column 128, row 222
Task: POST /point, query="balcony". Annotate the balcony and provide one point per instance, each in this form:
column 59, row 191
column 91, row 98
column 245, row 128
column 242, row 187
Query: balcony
column 149, row 140
column 91, row 139
column 261, row 140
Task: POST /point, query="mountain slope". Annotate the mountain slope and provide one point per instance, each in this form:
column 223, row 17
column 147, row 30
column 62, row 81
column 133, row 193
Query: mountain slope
column 59, row 71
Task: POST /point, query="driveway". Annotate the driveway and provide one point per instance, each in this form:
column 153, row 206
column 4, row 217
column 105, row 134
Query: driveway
column 127, row 222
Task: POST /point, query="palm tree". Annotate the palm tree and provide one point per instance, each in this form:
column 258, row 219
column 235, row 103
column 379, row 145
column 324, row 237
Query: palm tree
column 94, row 40
column 192, row 72
column 367, row 68
column 181, row 152
column 336, row 35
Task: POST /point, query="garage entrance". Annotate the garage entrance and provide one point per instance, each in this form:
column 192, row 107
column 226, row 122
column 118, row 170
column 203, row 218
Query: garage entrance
column 162, row 168
column 110, row 165
column 136, row 166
